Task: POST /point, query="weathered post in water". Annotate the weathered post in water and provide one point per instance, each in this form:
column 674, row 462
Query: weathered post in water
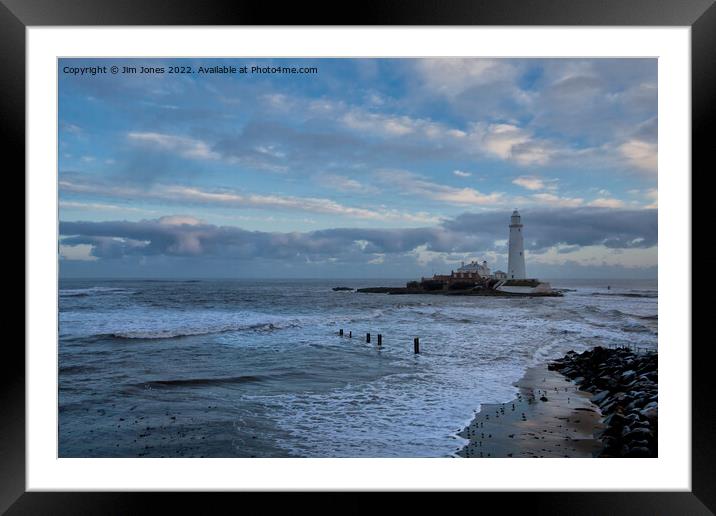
column 340, row 332
column 350, row 334
column 416, row 345
column 380, row 339
column 367, row 337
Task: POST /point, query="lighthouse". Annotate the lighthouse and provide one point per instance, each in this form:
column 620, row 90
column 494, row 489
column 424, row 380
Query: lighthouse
column 516, row 257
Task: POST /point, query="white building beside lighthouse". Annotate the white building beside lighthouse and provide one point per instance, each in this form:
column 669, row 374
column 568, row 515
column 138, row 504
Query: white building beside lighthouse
column 516, row 256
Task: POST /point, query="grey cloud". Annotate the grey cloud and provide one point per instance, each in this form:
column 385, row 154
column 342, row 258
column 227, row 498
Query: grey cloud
column 612, row 228
column 295, row 146
column 107, row 247
column 577, row 86
column 568, row 249
column 467, row 233
column 647, row 130
column 613, row 95
column 322, row 140
column 612, row 105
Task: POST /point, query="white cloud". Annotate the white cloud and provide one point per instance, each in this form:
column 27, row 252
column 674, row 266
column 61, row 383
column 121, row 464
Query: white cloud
column 450, row 77
column 184, row 146
column 461, row 173
column 197, row 149
column 312, row 204
column 506, row 140
column 277, row 100
column 180, row 220
column 80, row 252
column 555, row 200
column 465, row 196
column 70, row 128
column 74, row 205
column 270, row 150
column 344, row 184
column 606, row 202
column 230, row 198
column 531, row 183
column 510, row 142
column 412, row 183
column 641, row 154
column 500, row 139
column 391, row 125
column 599, row 256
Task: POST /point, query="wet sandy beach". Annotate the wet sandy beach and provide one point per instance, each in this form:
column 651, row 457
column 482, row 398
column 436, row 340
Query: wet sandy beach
column 550, row 417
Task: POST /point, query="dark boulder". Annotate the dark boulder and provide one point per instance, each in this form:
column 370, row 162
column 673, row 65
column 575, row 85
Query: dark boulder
column 599, row 397
column 624, row 387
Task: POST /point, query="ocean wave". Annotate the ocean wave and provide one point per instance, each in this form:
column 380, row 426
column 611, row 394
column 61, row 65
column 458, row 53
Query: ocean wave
column 563, row 331
column 172, row 333
column 150, row 323
column 441, row 317
column 319, row 392
column 615, row 313
column 76, row 369
column 197, row 382
column 645, row 293
column 654, row 317
column 610, row 312
column 91, row 291
column 372, row 315
column 635, row 328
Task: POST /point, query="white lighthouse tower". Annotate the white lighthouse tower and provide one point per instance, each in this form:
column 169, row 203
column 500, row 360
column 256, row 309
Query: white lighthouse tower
column 516, row 257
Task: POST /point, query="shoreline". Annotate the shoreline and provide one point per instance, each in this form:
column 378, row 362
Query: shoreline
column 550, row 417
column 402, row 291
column 600, row 403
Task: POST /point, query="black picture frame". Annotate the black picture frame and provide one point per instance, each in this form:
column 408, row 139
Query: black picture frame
column 700, row 15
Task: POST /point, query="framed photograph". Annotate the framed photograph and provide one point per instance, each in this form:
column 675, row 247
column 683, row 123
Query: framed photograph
column 412, row 253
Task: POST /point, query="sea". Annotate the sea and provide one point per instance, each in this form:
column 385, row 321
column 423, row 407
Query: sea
column 245, row 368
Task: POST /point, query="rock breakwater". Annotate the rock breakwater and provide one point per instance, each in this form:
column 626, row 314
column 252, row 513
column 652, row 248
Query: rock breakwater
column 625, row 388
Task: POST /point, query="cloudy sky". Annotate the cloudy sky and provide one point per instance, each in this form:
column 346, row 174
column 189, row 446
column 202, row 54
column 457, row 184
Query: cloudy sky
column 367, row 168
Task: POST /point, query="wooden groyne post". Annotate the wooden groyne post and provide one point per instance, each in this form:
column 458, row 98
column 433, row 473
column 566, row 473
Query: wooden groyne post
column 367, row 337
column 340, row 332
column 380, row 339
column 416, row 345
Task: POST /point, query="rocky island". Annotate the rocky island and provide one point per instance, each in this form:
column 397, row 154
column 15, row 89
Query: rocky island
column 476, row 278
column 476, row 286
